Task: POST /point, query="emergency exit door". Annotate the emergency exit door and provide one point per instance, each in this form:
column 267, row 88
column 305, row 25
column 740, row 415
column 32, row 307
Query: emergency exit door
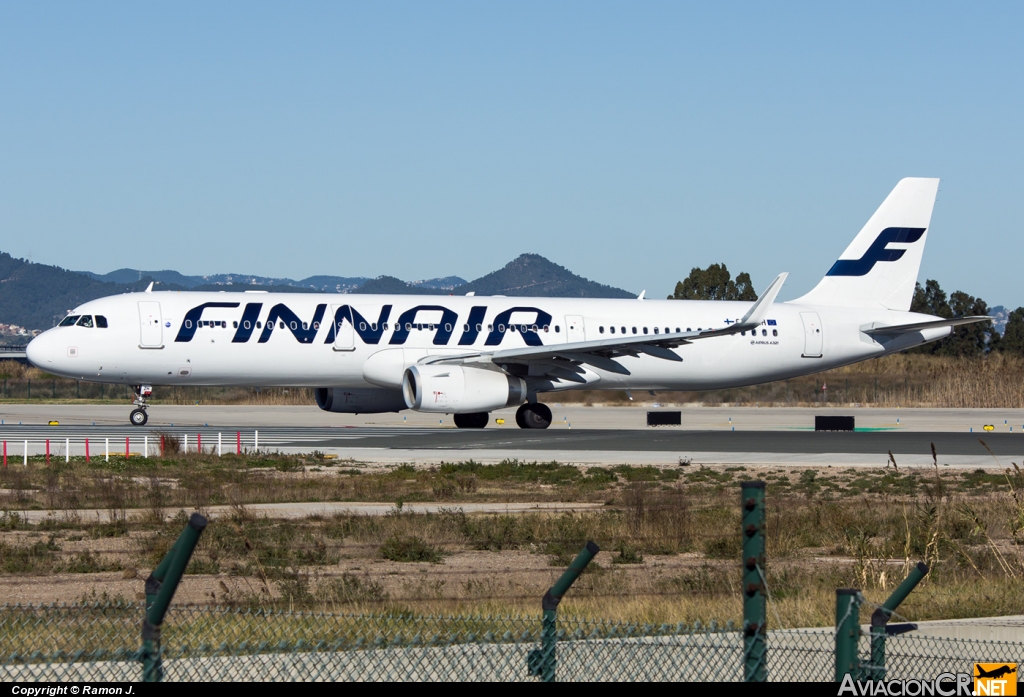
column 151, row 331
column 812, row 334
column 344, row 332
column 573, row 328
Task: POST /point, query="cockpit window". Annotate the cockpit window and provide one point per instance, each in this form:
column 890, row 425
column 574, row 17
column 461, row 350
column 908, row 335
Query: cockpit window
column 101, row 321
column 85, row 321
column 68, row 321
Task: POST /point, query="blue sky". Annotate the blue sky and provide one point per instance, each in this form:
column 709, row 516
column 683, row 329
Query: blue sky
column 626, row 141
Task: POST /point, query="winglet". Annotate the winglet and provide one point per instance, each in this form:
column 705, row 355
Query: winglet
column 149, row 288
column 757, row 313
column 642, row 294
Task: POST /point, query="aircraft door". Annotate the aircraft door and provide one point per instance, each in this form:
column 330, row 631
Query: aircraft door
column 151, row 332
column 812, row 334
column 344, row 332
column 574, row 328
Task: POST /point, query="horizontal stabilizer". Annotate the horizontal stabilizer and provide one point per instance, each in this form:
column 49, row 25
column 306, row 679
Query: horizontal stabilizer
column 918, row 326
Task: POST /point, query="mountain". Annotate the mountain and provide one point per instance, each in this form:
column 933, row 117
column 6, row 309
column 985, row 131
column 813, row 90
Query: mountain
column 321, row 284
column 389, row 285
column 532, row 274
column 332, row 284
column 1001, row 315
column 173, row 277
column 36, row 296
column 446, row 283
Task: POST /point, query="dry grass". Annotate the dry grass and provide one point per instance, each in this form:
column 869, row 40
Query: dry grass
column 670, row 538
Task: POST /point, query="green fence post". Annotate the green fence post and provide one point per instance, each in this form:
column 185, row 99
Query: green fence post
column 542, row 662
column 755, row 606
column 173, row 569
column 847, row 632
column 156, row 577
column 880, row 617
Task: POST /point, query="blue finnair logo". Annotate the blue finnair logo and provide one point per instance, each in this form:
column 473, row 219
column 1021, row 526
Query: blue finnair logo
column 877, row 251
column 305, row 330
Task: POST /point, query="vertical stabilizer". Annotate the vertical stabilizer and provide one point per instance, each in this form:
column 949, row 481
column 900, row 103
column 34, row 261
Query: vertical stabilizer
column 879, row 268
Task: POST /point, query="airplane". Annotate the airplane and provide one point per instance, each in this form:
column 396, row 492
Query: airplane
column 996, row 672
column 470, row 355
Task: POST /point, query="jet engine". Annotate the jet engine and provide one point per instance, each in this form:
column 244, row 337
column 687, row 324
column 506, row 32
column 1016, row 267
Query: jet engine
column 452, row 389
column 358, row 401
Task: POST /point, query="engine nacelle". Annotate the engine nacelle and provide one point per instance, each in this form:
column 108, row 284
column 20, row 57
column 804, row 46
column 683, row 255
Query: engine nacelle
column 359, row 401
column 453, row 389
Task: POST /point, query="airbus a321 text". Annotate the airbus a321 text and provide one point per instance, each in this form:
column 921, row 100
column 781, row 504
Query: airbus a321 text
column 469, row 355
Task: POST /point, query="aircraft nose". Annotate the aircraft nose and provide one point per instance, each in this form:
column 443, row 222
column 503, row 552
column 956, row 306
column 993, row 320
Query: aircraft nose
column 40, row 351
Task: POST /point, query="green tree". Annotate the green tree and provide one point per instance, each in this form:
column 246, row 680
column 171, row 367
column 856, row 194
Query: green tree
column 968, row 340
column 1013, row 338
column 714, row 283
column 931, row 300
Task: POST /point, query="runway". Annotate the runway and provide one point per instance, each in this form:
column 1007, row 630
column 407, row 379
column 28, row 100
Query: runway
column 713, row 436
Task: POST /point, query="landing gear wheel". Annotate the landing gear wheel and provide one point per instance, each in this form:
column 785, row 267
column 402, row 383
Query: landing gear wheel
column 535, row 415
column 139, row 417
column 476, row 420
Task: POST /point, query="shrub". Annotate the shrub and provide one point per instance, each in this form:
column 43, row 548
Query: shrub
column 402, row 549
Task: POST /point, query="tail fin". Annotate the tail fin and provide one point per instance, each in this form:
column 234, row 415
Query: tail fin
column 879, row 268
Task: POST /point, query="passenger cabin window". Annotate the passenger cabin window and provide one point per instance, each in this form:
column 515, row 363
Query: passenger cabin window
column 557, row 328
column 101, row 321
column 69, row 321
column 612, row 329
column 600, row 330
column 775, row 332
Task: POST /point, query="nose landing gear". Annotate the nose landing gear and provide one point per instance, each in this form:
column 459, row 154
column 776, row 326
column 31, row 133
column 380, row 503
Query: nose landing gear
column 139, row 417
column 534, row 415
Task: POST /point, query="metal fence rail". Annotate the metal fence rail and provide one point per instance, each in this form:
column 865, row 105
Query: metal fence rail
column 100, row 642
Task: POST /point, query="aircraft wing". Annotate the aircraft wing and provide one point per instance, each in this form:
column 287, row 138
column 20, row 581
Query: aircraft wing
column 561, row 361
column 918, row 326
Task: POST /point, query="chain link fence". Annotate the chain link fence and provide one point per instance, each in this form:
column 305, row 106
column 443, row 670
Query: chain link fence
column 100, row 642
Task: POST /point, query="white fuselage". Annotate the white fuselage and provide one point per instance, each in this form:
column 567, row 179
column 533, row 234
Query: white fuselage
column 171, row 339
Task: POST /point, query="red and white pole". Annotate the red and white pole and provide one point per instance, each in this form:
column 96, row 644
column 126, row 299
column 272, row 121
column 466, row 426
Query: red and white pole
column 47, row 451
column 87, row 450
column 127, row 452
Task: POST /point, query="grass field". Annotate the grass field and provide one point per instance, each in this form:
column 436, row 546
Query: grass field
column 670, row 537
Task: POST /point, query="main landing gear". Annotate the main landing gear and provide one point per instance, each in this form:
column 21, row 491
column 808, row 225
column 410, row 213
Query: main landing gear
column 535, row 415
column 139, row 417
